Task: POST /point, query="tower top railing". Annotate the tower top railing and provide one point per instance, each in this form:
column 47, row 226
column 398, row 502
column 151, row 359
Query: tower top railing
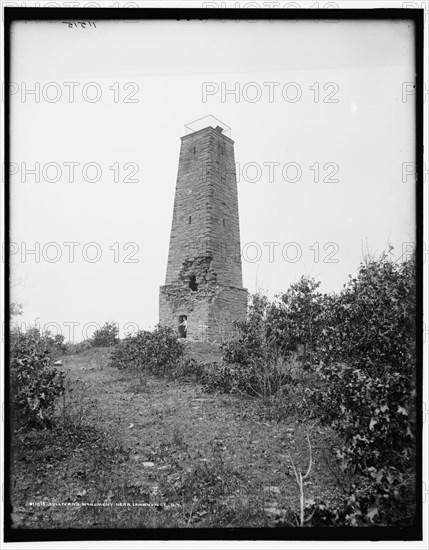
column 204, row 122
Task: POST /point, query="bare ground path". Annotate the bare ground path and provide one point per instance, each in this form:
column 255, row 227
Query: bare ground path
column 200, row 460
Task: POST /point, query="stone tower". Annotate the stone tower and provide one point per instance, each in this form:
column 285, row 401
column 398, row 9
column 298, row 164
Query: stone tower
column 204, row 286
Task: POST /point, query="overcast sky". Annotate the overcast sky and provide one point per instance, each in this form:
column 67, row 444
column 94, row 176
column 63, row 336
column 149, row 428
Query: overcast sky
column 313, row 101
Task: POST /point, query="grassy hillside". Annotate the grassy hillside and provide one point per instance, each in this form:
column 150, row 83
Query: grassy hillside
column 163, row 455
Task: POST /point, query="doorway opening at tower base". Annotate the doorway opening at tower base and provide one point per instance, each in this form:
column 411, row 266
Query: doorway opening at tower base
column 183, row 326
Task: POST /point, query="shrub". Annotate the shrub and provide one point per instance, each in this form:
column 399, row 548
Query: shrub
column 55, row 344
column 47, row 341
column 385, row 501
column 369, row 373
column 250, row 344
column 369, row 365
column 188, row 368
column 283, row 333
column 34, row 383
column 106, row 336
column 294, row 321
column 374, row 413
column 260, row 378
column 219, row 376
column 157, row 352
column 371, row 323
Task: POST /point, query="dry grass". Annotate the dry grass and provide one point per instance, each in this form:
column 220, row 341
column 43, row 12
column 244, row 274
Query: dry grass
column 214, row 456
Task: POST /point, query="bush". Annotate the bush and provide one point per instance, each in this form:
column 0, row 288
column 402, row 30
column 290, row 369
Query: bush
column 251, row 343
column 373, row 413
column 369, row 365
column 368, row 369
column 371, row 323
column 34, row 383
column 157, row 352
column 106, row 336
column 263, row 379
column 254, row 362
column 54, row 344
column 294, row 322
column 360, row 348
column 363, row 507
column 189, row 369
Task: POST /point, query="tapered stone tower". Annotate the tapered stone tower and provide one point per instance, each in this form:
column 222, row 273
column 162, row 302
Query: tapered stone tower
column 203, row 292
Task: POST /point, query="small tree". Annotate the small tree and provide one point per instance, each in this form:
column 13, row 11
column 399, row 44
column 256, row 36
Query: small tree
column 106, row 336
column 15, row 309
column 294, row 320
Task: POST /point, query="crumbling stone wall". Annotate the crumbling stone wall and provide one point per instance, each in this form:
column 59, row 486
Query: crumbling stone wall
column 204, row 275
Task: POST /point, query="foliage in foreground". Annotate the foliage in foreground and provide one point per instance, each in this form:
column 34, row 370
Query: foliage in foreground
column 369, row 365
column 358, row 347
column 35, row 383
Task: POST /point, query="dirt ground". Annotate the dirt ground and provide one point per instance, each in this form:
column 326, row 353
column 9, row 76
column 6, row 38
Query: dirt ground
column 194, row 459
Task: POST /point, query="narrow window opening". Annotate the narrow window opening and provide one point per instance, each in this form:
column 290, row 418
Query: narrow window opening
column 195, row 150
column 193, row 285
column 190, row 219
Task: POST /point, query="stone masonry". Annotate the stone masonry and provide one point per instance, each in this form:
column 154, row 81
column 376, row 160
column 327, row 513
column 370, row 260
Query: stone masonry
column 204, row 278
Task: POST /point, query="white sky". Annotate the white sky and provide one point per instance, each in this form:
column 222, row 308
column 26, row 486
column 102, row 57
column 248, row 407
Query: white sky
column 368, row 133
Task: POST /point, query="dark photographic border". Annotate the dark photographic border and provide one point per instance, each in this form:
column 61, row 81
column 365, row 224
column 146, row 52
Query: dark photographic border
column 416, row 17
